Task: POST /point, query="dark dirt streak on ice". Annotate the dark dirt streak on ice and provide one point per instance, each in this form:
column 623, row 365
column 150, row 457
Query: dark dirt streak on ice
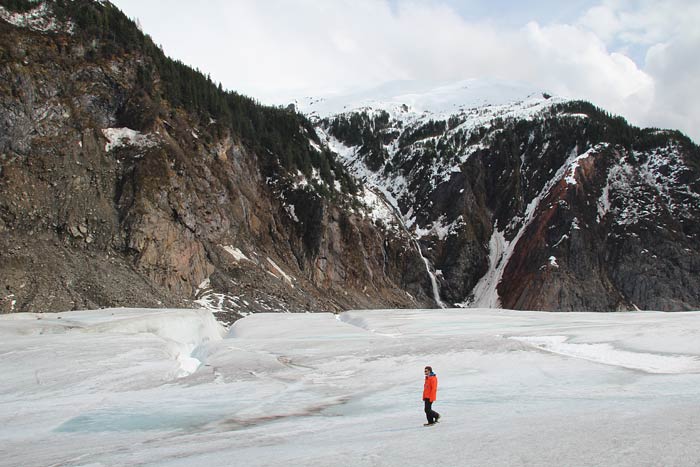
column 233, row 424
column 289, row 363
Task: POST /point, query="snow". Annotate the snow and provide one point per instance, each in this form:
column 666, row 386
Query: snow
column 291, row 211
column 119, row 137
column 440, row 229
column 485, row 293
column 40, row 19
column 300, row 181
column 236, row 253
column 563, row 237
column 217, row 302
column 636, row 191
column 666, row 182
column 400, row 98
column 575, row 115
column 608, row 354
column 11, row 299
column 280, row 273
column 315, row 146
column 102, row 388
column 571, row 173
column 377, row 208
column 604, row 203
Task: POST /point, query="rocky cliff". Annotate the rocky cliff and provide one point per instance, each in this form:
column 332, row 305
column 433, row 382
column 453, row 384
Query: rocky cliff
column 118, row 190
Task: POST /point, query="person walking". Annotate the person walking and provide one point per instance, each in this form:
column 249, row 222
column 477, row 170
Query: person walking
column 429, row 396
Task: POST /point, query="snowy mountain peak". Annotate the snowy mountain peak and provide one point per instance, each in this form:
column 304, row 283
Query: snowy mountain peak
column 420, row 97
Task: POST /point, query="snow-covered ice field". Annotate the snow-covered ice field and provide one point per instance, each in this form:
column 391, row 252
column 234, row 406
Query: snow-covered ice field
column 153, row 387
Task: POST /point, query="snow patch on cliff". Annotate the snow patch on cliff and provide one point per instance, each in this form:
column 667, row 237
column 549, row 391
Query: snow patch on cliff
column 120, row 137
column 39, row 19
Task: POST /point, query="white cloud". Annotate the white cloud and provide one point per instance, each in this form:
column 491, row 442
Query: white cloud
column 602, row 21
column 275, row 50
column 676, row 71
column 642, row 22
column 576, row 63
column 666, row 34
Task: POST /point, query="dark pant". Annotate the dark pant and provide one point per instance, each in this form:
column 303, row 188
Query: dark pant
column 429, row 412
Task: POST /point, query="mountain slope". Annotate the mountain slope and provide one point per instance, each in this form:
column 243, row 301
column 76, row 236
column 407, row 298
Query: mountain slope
column 541, row 203
column 130, row 179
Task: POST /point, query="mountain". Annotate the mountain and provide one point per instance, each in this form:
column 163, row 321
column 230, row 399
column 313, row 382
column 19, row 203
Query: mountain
column 127, row 178
column 130, row 179
column 531, row 201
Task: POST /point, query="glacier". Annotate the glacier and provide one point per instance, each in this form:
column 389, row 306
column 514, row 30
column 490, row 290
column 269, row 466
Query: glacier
column 174, row 387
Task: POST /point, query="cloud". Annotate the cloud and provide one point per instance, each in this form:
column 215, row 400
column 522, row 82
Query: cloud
column 641, row 22
column 602, row 21
column 676, row 72
column 630, row 57
column 576, row 63
column 666, row 32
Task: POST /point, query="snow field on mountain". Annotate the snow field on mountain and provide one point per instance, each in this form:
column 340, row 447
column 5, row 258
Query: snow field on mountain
column 107, row 387
column 415, row 98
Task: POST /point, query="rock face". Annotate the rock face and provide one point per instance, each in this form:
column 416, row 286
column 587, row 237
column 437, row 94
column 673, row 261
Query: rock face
column 538, row 204
column 128, row 179
column 111, row 196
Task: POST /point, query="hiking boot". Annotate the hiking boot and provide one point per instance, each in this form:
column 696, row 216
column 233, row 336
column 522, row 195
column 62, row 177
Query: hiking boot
column 437, row 418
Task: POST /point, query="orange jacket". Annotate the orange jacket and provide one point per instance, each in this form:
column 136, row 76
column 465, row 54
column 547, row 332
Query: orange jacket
column 430, row 387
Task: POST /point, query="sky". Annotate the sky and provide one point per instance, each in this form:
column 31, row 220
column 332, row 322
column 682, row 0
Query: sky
column 635, row 58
